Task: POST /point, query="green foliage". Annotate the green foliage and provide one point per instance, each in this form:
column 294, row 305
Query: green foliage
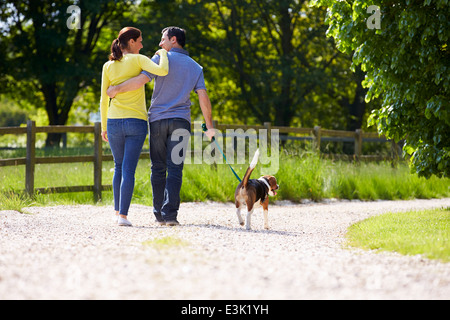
column 44, row 62
column 410, row 233
column 268, row 61
column 407, row 65
column 10, row 114
column 263, row 60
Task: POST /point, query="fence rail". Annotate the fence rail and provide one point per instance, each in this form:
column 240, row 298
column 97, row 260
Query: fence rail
column 316, row 134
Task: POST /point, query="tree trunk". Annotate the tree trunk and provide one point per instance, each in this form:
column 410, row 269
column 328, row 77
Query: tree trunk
column 356, row 109
column 284, row 111
column 358, row 106
column 55, row 116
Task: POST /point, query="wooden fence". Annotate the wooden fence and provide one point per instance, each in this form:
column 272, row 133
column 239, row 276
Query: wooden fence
column 315, row 134
column 31, row 160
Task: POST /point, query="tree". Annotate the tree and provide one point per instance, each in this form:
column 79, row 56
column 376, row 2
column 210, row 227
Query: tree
column 277, row 54
column 265, row 60
column 406, row 59
column 47, row 58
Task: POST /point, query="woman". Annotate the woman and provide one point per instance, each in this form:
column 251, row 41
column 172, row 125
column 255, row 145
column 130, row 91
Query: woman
column 124, row 118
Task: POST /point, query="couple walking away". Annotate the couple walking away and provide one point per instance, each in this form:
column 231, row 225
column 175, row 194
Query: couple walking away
column 124, row 116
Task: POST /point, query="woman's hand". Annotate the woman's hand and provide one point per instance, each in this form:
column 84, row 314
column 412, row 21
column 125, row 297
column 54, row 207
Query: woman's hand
column 159, row 51
column 105, row 136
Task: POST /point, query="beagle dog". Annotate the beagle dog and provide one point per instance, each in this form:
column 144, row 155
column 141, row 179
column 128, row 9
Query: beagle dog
column 253, row 193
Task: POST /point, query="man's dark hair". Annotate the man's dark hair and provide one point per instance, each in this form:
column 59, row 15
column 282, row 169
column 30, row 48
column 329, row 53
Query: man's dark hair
column 177, row 32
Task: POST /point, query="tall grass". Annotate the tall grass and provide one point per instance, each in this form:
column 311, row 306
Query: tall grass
column 313, row 178
column 14, row 201
column 300, row 177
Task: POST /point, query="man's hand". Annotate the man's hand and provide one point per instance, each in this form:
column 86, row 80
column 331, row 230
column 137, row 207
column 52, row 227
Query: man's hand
column 129, row 85
column 112, row 91
column 210, row 133
column 205, row 105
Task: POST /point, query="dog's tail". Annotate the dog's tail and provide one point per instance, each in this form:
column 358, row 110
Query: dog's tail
column 250, row 169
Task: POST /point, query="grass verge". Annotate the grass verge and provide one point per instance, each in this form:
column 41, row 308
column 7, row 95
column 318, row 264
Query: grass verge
column 424, row 232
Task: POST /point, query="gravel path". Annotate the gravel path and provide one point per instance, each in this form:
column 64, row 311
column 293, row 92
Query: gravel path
column 77, row 252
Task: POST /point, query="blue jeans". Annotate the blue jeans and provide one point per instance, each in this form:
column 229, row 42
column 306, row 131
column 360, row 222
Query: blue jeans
column 168, row 144
column 126, row 138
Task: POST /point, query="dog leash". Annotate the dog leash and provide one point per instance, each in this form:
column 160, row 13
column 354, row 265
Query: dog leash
column 223, row 154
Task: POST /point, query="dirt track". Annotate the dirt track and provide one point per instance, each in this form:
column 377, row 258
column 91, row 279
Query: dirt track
column 77, row 252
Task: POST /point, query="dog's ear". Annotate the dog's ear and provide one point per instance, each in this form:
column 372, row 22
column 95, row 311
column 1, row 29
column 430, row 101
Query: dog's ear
column 272, row 181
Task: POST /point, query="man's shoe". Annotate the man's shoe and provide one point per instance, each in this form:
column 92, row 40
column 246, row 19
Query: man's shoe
column 160, row 223
column 172, row 223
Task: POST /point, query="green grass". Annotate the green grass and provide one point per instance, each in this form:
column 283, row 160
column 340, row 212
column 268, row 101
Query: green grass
column 165, row 243
column 13, row 201
column 313, row 178
column 299, row 177
column 415, row 232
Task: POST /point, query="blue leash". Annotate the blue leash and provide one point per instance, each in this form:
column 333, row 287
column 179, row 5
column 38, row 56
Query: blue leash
column 223, row 154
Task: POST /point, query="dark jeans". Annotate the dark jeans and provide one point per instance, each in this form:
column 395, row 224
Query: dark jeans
column 168, row 144
column 126, row 138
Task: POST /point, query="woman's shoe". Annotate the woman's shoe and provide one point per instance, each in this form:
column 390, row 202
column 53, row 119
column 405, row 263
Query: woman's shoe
column 124, row 222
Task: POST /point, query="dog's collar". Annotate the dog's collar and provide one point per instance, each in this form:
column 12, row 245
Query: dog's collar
column 265, row 182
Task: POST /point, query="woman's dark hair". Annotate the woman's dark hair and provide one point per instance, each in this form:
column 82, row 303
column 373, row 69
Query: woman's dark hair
column 121, row 43
column 177, row 32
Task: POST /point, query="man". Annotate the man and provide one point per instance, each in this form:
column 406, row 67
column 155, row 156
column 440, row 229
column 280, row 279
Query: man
column 168, row 113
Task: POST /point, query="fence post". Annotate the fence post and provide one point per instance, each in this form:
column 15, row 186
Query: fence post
column 358, row 143
column 317, row 138
column 98, row 162
column 31, row 158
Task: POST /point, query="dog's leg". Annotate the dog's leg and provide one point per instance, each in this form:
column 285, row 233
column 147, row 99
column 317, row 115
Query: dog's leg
column 249, row 218
column 266, row 211
column 238, row 212
column 266, row 219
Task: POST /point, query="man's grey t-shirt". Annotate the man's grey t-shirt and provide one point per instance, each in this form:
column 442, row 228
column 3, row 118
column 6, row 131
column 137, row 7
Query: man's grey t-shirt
column 171, row 93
